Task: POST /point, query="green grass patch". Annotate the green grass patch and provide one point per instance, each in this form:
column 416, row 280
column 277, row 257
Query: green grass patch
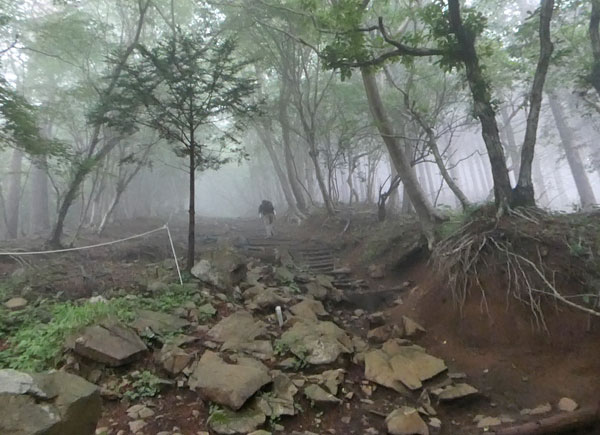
column 35, row 336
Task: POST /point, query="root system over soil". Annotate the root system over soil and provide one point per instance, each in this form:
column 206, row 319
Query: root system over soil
column 541, row 259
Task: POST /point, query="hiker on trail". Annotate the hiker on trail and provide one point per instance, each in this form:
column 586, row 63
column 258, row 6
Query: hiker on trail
column 266, row 211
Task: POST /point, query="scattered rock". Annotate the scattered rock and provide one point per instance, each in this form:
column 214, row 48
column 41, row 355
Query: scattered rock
column 406, row 421
column 228, row 384
column 112, row 344
column 383, row 333
column 308, row 309
column 159, row 323
column 454, row 392
column 408, row 365
column 319, row 396
column 227, row 422
column 435, row 423
column 53, row 403
column 377, row 271
column 411, row 327
column 281, row 400
column 137, row 425
column 332, row 379
column 316, row 342
column 15, row 304
column 261, row 349
column 223, row 268
column 567, row 405
column 139, row 412
column 238, row 327
column 261, row 298
column 541, row 409
column 174, row 359
column 486, row 422
column 376, row 319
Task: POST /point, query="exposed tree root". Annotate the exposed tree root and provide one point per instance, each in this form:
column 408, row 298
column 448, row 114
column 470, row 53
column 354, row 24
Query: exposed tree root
column 517, row 246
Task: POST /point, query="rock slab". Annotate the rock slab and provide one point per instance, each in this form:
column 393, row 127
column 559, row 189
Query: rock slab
column 53, row 403
column 228, row 384
column 112, row 344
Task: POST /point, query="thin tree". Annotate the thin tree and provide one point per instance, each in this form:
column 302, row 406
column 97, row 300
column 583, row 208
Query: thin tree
column 192, row 90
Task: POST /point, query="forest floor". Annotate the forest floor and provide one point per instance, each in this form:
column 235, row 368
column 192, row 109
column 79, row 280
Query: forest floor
column 388, row 277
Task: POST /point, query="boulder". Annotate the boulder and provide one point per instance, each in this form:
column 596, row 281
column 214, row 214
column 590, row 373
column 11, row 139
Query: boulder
column 227, row 422
column 15, row 304
column 261, row 298
column 228, row 384
column 396, row 364
column 318, row 395
column 406, row 421
column 316, row 342
column 112, row 344
column 223, row 268
column 379, row 370
column 53, row 403
column 238, row 327
column 309, row 309
column 173, row 359
column 159, row 323
column 486, row 422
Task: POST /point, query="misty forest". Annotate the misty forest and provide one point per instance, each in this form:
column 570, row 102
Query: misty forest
column 299, row 217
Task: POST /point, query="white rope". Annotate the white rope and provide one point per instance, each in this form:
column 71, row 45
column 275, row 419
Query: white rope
column 81, row 248
column 98, row 245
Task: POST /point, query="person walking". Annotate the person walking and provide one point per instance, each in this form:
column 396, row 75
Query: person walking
column 266, row 212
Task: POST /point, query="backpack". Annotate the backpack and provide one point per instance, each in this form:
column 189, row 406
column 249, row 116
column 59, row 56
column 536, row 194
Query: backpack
column 266, row 207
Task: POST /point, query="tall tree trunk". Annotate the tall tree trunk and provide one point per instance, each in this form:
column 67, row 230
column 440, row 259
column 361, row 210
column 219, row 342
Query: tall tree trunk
column 523, row 194
column 484, row 110
column 40, row 218
column 13, row 201
column 594, row 77
column 314, row 156
column 538, row 178
column 582, row 182
column 392, row 203
column 428, row 216
column 191, row 252
column 512, row 147
column 83, row 169
column 267, row 139
column 284, row 101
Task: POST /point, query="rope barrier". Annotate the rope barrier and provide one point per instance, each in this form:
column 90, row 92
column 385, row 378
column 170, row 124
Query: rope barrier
column 98, row 245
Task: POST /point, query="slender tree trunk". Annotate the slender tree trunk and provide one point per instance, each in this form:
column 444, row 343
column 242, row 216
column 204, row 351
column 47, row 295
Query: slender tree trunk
column 538, row 178
column 82, row 171
column 594, row 32
column 512, row 147
column 267, row 140
column 191, row 253
column 428, row 216
column 40, row 217
column 523, row 194
column 484, row 110
column 314, row 156
column 582, row 182
column 392, row 203
column 284, row 101
column 13, row 201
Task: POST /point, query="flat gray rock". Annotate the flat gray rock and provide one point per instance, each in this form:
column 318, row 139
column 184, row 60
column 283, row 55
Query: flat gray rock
column 112, row 344
column 228, row 384
column 159, row 323
column 406, row 421
column 317, row 342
